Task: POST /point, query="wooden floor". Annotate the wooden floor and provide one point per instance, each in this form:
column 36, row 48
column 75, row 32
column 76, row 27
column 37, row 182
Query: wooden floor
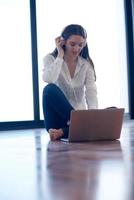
column 33, row 168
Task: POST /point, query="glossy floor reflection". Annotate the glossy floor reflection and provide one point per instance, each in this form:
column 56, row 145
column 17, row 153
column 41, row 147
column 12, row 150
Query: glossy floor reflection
column 33, row 168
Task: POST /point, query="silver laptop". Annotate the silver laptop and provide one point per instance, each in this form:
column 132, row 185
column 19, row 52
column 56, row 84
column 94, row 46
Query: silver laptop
column 96, row 124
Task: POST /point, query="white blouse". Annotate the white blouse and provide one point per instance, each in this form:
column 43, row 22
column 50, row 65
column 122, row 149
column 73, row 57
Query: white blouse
column 80, row 90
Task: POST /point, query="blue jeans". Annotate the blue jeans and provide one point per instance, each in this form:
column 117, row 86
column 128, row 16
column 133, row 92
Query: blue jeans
column 56, row 109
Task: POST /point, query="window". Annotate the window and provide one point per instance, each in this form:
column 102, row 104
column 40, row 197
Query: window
column 16, row 98
column 105, row 25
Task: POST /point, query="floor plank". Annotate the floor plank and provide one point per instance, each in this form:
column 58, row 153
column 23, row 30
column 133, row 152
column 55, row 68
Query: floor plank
column 34, row 168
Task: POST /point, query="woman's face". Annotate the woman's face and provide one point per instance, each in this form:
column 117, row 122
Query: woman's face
column 74, row 45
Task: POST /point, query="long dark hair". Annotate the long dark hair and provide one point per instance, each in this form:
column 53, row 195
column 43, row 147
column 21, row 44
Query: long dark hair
column 75, row 29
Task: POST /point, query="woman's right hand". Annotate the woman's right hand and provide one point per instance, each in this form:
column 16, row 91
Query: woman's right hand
column 59, row 41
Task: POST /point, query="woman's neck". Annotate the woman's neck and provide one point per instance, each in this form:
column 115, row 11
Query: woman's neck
column 70, row 59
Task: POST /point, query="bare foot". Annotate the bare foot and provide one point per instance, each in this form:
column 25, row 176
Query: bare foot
column 55, row 133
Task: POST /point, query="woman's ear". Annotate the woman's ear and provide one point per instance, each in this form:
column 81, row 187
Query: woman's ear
column 62, row 39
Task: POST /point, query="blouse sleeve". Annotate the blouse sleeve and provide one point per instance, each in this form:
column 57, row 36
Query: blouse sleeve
column 91, row 89
column 51, row 68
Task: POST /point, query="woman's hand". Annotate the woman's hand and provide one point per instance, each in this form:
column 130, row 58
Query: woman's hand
column 59, row 41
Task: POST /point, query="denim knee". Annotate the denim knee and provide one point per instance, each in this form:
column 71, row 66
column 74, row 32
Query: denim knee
column 49, row 89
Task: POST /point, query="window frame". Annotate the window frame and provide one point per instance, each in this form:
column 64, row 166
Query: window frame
column 129, row 22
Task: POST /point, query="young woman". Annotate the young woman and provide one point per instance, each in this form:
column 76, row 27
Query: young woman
column 70, row 74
